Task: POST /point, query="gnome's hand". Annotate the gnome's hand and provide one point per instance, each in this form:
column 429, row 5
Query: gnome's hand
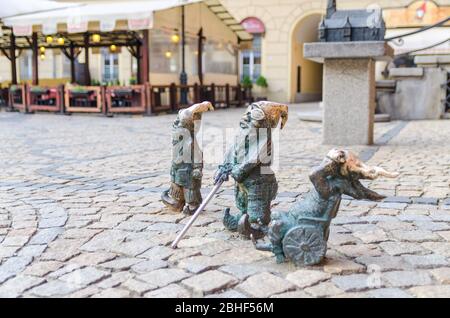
column 238, row 175
column 197, row 174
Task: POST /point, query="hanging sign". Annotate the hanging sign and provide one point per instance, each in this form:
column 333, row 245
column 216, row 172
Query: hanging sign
column 23, row 30
column 141, row 24
column 253, row 25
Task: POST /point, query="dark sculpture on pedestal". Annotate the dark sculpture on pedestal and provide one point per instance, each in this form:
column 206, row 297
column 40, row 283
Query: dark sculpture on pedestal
column 351, row 25
column 301, row 234
column 248, row 161
column 187, row 161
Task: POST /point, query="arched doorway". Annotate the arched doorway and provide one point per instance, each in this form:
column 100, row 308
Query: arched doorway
column 306, row 76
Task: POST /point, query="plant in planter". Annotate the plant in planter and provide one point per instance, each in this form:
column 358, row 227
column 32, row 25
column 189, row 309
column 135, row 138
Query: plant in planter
column 246, row 82
column 15, row 88
column 38, row 90
column 133, row 81
column 260, row 91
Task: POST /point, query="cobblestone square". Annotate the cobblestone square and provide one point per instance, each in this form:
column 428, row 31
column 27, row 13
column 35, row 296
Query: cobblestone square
column 80, row 214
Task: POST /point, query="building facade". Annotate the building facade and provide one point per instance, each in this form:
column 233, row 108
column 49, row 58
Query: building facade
column 279, row 28
column 291, row 23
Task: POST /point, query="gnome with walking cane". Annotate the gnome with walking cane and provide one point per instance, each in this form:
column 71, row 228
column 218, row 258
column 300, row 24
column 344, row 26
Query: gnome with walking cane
column 248, row 161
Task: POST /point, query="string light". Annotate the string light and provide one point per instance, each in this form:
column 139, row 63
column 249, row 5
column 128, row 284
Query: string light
column 42, row 56
column 49, row 39
column 168, row 54
column 42, row 49
column 96, row 38
column 61, row 41
column 175, row 38
column 113, row 48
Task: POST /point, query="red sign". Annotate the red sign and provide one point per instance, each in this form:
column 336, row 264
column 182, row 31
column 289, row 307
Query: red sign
column 253, row 25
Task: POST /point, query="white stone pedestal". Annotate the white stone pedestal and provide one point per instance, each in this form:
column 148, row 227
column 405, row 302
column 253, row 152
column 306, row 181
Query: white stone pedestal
column 348, row 88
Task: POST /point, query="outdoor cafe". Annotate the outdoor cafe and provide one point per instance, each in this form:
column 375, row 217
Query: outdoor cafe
column 123, row 57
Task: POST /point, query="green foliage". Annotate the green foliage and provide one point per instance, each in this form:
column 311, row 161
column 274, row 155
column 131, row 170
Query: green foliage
column 262, row 82
column 133, row 81
column 247, row 82
column 37, row 89
column 15, row 88
column 79, row 89
column 96, row 83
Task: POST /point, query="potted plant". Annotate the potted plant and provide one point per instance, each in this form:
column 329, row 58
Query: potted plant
column 133, row 81
column 260, row 91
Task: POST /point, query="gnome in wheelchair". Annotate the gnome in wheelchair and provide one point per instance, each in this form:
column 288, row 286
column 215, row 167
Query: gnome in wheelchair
column 301, row 234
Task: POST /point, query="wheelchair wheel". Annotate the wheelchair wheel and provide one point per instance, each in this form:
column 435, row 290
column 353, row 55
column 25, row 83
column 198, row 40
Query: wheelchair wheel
column 305, row 245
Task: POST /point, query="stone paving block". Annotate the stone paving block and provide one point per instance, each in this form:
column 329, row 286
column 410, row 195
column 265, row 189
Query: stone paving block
column 17, row 285
column 398, row 199
column 406, row 278
column 388, row 293
column 170, row 291
column 418, row 236
column 428, row 201
column 326, row 289
column 163, row 277
column 46, row 236
column 54, row 288
column 115, row 280
column 442, row 275
column 85, row 276
column 227, row 294
column 400, row 248
column 95, row 258
column 353, row 251
column 148, row 266
column 383, row 263
column 306, row 278
column 121, row 264
column 357, row 282
column 198, row 264
column 136, row 286
column 157, row 252
column 440, row 248
column 113, row 293
column 442, row 291
column 209, row 282
column 426, row 261
column 41, row 269
column 341, row 266
column 371, row 236
column 392, row 205
column 264, row 285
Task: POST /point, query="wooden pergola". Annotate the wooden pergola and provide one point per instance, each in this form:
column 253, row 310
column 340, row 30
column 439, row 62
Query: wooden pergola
column 72, row 45
column 127, row 26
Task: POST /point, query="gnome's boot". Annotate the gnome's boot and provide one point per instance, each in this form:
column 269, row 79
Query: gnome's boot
column 189, row 210
column 230, row 221
column 248, row 230
column 171, row 202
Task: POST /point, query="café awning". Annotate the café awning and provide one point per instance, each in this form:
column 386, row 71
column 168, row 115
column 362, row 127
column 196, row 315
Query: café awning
column 21, row 7
column 138, row 15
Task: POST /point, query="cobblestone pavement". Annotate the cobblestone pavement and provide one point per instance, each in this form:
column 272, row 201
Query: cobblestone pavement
column 80, row 215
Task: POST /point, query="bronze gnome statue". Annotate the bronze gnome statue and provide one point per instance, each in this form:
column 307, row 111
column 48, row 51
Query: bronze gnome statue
column 301, row 234
column 187, row 161
column 248, row 161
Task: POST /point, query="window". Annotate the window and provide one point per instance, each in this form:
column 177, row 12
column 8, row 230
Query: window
column 165, row 56
column 219, row 58
column 251, row 59
column 25, row 62
column 110, row 66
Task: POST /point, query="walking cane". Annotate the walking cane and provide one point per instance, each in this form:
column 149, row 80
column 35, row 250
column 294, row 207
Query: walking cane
column 196, row 214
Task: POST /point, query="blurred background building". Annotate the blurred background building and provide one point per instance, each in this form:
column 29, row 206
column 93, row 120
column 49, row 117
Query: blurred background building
column 241, row 40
